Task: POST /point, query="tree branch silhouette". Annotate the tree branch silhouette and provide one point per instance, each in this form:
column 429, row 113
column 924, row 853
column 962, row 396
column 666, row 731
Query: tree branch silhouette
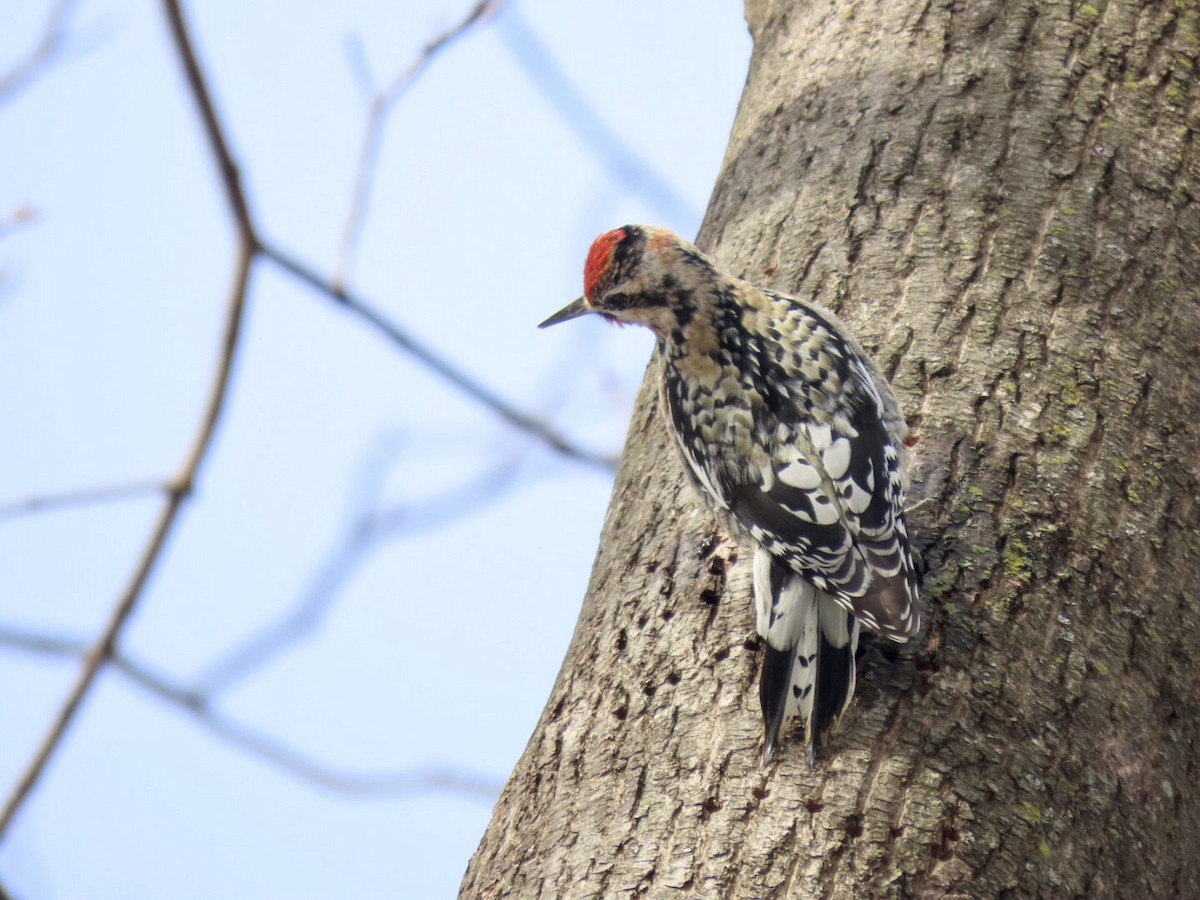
column 358, row 306
column 49, row 44
column 371, row 527
column 197, row 704
column 83, row 497
column 617, row 157
column 380, row 105
column 177, row 490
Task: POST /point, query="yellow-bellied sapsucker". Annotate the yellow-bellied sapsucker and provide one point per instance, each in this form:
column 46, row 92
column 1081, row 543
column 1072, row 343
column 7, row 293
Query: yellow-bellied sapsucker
column 792, row 436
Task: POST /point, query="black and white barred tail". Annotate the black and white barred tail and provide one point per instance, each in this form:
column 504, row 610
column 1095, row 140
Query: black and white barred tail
column 808, row 665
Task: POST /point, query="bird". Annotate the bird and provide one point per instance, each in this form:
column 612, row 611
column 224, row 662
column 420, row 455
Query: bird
column 795, row 441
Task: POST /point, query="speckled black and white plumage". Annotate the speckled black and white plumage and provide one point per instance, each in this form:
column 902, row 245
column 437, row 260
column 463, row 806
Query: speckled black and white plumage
column 793, row 437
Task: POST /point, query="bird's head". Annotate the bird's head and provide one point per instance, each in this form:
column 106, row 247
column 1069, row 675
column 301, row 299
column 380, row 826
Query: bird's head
column 635, row 274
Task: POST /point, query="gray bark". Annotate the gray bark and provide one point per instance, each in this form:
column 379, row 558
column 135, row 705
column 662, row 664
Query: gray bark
column 1000, row 199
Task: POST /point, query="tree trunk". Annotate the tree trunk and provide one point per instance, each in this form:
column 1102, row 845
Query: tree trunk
column 999, row 198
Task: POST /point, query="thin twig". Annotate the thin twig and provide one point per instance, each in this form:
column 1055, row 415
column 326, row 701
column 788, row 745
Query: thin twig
column 48, row 45
column 231, row 179
column 356, row 57
column 83, row 497
column 403, row 783
column 370, row 529
column 596, row 135
column 40, row 643
column 380, row 106
column 474, row 389
column 180, row 488
column 177, row 495
column 390, row 784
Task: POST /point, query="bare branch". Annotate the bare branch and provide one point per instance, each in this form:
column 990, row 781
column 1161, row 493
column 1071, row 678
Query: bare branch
column 371, row 528
column 47, row 47
column 231, row 179
column 356, row 58
column 596, row 135
column 381, row 104
column 181, row 487
column 41, row 643
column 177, row 495
column 83, row 497
column 474, row 389
column 278, row 753
column 403, row 783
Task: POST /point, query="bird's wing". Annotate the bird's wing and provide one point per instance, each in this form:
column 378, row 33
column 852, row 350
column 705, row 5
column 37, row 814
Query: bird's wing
column 827, row 498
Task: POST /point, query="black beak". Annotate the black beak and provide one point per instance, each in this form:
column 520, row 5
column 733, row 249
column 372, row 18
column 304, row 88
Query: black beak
column 572, row 310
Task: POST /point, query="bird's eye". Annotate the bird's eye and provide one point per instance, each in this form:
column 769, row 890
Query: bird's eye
column 617, row 301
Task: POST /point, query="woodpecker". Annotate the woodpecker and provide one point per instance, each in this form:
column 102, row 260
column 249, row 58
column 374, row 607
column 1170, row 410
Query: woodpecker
column 793, row 438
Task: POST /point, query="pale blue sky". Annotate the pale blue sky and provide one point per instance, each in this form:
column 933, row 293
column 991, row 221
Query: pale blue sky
column 443, row 643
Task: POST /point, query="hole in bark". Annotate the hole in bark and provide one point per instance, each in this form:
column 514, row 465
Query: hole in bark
column 760, row 793
column 710, row 806
column 955, row 140
column 668, row 615
column 622, row 641
column 895, row 831
column 673, row 678
column 920, row 565
column 942, row 850
column 710, row 596
column 642, row 621
column 721, row 655
column 652, row 566
column 813, row 805
column 621, row 712
column 928, row 665
column 649, row 689
column 717, row 566
column 751, row 644
column 558, row 708
column 853, row 826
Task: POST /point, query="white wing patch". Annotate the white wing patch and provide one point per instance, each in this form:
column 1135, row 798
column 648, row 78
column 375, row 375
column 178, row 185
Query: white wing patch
column 825, row 512
column 855, row 498
column 815, row 479
column 830, row 505
column 837, row 458
column 800, row 474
